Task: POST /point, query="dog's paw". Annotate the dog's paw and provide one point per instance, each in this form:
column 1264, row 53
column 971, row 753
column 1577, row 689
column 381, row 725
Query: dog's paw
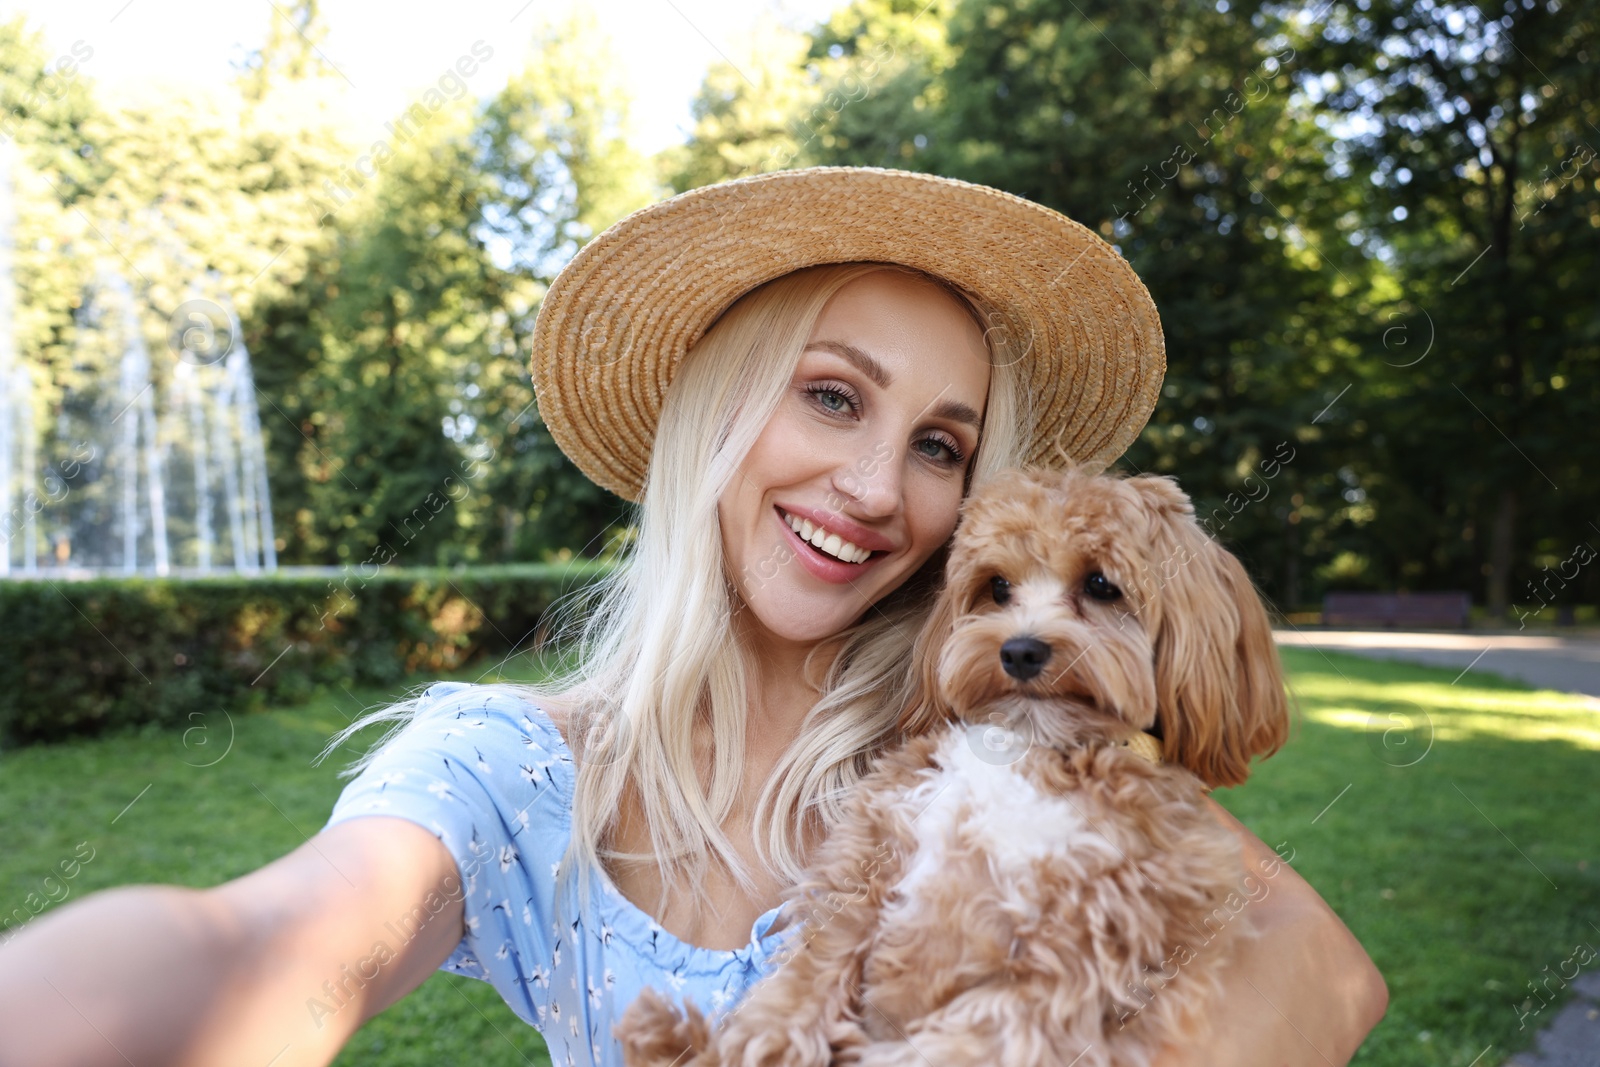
column 653, row 1033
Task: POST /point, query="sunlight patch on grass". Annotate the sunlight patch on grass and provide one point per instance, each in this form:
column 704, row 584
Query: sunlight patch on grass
column 1454, row 712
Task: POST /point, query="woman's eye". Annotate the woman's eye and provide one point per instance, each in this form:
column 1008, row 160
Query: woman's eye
column 1099, row 587
column 1000, row 589
column 833, row 399
column 952, row 454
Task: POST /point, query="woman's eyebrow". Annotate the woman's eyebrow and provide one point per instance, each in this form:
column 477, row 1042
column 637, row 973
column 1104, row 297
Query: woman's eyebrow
column 861, row 361
column 956, row 411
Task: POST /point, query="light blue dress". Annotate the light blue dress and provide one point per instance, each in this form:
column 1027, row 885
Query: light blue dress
column 490, row 775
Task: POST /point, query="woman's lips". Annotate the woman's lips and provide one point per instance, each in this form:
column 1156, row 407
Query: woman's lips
column 853, row 532
column 820, row 564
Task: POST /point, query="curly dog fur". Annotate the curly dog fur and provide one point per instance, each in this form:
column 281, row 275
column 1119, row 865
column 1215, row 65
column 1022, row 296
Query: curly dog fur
column 1009, row 886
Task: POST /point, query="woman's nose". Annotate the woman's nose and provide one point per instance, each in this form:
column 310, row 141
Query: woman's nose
column 868, row 485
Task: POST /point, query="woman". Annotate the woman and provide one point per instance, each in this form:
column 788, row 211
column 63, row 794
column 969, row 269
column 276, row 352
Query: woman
column 849, row 351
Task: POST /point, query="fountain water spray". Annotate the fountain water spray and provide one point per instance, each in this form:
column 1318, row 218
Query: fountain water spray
column 168, row 473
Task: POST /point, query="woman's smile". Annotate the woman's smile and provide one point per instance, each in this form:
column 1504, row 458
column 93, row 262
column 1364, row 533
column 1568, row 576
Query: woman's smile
column 826, row 554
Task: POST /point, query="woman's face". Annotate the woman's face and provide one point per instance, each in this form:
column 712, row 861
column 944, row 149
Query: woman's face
column 869, row 445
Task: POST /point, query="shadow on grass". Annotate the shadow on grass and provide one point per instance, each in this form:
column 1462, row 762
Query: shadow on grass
column 1455, row 829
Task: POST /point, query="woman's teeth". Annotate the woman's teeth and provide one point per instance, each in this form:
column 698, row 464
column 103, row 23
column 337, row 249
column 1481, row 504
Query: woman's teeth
column 831, row 543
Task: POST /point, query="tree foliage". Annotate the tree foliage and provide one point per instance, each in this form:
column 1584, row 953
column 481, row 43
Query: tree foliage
column 1370, row 228
column 1474, row 126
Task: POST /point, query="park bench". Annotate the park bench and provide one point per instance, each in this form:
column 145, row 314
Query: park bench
column 1397, row 610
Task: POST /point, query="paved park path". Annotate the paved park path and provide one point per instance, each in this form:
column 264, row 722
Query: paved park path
column 1573, row 1037
column 1570, row 664
column 1567, row 663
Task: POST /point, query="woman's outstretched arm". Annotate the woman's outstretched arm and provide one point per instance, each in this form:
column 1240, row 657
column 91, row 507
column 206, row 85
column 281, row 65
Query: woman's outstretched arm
column 280, row 966
column 1303, row 992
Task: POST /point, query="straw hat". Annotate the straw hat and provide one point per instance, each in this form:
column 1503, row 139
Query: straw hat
column 618, row 320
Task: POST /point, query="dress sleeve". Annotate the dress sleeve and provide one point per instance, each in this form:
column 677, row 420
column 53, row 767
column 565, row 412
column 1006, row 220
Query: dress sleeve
column 486, row 772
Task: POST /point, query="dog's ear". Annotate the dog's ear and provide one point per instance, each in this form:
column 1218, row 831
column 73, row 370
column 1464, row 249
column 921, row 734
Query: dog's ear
column 925, row 709
column 1219, row 681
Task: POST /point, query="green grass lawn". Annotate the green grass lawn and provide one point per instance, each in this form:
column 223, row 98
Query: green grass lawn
column 1462, row 845
column 1454, row 827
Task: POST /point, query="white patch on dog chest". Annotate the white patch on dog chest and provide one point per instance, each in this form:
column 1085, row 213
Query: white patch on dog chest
column 978, row 794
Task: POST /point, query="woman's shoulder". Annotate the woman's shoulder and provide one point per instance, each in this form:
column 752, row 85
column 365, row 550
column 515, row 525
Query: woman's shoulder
column 471, row 706
column 470, row 756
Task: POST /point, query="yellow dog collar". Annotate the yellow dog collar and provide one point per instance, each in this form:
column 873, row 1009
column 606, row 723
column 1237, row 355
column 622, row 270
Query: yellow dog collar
column 1144, row 746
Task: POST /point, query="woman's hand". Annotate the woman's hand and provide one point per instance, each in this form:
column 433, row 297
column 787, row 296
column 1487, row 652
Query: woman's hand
column 1302, row 992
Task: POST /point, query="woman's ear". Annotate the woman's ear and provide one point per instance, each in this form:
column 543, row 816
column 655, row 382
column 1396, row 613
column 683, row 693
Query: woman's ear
column 1219, row 682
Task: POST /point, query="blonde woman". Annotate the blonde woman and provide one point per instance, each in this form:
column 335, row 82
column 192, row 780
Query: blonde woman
column 798, row 377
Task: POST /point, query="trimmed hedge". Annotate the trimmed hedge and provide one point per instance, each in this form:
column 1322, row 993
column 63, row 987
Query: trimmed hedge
column 110, row 653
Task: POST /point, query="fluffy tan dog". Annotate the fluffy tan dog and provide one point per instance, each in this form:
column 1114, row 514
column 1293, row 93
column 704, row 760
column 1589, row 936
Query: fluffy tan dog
column 1013, row 885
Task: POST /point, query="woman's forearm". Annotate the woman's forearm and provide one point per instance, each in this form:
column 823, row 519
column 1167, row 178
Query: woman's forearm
column 125, row 975
column 279, row 966
column 1302, row 991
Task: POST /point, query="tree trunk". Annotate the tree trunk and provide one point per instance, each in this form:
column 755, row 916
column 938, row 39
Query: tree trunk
column 509, row 521
column 1291, row 563
column 1500, row 554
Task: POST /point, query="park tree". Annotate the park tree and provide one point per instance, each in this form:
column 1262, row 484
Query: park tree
column 792, row 99
column 291, row 55
column 1475, row 124
column 749, row 113
column 425, row 443
column 302, row 149
column 552, row 156
column 396, row 330
column 46, row 103
column 50, row 143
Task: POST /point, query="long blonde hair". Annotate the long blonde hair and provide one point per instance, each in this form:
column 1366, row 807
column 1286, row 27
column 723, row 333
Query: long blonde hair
column 655, row 646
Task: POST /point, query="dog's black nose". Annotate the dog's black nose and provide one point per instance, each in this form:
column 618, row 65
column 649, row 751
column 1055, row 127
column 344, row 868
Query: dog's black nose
column 1023, row 657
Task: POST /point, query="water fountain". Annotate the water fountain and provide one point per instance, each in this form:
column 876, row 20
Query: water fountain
column 147, row 466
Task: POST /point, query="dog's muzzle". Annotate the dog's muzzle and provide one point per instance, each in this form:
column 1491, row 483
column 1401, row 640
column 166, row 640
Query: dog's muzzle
column 1024, row 657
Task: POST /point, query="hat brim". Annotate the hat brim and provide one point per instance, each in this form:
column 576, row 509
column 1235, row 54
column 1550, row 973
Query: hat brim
column 619, row 318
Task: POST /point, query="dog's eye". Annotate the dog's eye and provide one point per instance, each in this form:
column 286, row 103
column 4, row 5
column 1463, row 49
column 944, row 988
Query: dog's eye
column 1099, row 586
column 1000, row 589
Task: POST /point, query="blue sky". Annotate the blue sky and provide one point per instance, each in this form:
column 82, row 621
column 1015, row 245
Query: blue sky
column 388, row 52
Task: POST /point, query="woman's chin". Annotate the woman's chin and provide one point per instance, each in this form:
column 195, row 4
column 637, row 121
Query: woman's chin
column 808, row 619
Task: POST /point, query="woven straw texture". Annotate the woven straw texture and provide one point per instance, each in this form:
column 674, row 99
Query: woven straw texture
column 618, row 320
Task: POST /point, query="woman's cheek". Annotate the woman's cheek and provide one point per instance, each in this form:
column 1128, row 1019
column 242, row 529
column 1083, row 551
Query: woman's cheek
column 948, row 511
column 935, row 525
